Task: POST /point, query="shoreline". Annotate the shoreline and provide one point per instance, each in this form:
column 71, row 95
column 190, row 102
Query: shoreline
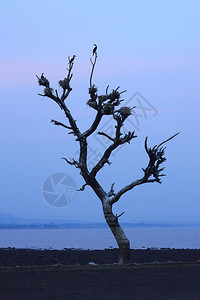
column 70, row 256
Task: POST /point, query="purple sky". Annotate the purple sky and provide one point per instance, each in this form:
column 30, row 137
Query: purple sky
column 151, row 47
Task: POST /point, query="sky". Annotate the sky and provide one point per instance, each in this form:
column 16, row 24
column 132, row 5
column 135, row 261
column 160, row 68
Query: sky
column 149, row 48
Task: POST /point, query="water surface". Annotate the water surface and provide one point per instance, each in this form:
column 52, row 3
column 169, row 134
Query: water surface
column 101, row 238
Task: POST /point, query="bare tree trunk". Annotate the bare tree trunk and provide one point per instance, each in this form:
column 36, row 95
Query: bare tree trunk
column 120, row 237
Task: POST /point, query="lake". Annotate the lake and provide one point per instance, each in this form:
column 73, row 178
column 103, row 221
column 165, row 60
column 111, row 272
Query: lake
column 101, row 238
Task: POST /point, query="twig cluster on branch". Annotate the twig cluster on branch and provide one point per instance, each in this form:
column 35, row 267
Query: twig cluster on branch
column 156, row 158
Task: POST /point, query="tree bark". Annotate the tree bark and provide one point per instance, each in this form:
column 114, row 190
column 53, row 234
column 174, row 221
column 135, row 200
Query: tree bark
column 120, row 237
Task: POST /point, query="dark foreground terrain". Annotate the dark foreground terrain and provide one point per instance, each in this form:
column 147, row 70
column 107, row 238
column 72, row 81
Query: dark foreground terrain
column 78, row 274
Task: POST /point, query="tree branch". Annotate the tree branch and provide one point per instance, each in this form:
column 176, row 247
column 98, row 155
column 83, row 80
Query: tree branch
column 72, row 163
column 60, row 124
column 72, row 122
column 65, row 83
column 94, row 125
column 120, row 117
column 106, row 108
column 117, row 216
column 93, row 66
column 104, row 159
column 126, row 189
column 111, row 193
column 156, row 158
column 106, row 135
column 83, row 187
column 48, row 92
column 169, row 139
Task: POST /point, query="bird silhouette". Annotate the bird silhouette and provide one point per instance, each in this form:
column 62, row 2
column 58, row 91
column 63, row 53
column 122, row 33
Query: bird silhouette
column 95, row 49
column 72, row 59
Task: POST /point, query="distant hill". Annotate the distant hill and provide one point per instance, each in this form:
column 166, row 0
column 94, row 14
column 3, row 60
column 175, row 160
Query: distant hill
column 6, row 218
column 9, row 219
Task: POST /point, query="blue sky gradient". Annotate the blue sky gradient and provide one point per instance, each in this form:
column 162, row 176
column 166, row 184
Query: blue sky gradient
column 152, row 47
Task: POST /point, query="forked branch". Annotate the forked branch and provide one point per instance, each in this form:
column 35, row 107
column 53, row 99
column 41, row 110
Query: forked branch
column 72, row 163
column 119, row 139
column 65, row 85
column 152, row 172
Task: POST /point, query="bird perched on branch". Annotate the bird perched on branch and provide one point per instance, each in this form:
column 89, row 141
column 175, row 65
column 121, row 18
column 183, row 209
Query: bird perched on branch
column 95, row 49
column 72, row 59
column 42, row 76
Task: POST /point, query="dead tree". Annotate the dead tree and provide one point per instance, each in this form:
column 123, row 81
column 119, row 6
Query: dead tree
column 108, row 104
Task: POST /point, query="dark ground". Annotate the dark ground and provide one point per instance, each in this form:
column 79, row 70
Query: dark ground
column 54, row 274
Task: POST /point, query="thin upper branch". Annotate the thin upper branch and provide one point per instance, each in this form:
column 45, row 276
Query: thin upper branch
column 93, row 66
column 106, row 135
column 92, row 102
column 72, row 163
column 94, row 125
column 168, row 139
column 72, row 122
column 60, row 124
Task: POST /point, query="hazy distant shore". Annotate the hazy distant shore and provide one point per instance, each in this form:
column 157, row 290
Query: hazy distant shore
column 89, row 225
